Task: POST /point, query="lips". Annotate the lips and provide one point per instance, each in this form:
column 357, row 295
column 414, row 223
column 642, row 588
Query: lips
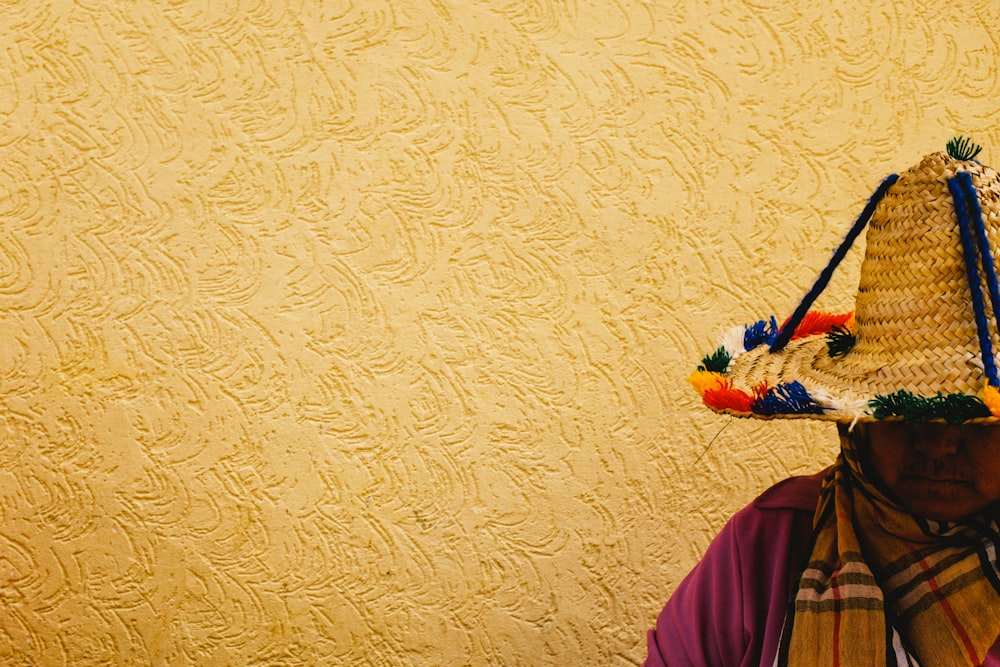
column 934, row 479
column 926, row 487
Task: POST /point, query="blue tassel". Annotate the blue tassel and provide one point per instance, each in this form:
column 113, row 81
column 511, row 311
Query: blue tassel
column 760, row 332
column 790, row 398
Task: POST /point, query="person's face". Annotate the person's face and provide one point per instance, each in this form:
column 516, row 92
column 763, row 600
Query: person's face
column 938, row 471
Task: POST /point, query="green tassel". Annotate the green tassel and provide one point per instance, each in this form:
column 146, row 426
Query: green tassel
column 963, row 148
column 717, row 362
column 839, row 341
column 954, row 408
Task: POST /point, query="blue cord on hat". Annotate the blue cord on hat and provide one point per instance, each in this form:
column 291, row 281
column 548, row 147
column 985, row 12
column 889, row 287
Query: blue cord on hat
column 985, row 252
column 793, row 322
column 963, row 193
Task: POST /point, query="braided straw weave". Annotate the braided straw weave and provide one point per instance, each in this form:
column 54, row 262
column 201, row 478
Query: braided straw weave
column 914, row 323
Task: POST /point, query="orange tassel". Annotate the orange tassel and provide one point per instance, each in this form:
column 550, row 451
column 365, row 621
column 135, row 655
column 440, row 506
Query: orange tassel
column 704, row 381
column 991, row 397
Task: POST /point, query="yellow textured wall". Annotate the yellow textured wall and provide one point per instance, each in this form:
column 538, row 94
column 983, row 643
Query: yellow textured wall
column 357, row 333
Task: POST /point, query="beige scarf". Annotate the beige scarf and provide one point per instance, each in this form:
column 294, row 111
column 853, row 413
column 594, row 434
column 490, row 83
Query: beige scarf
column 883, row 587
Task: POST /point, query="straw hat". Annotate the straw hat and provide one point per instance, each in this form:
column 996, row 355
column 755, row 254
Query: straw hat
column 920, row 344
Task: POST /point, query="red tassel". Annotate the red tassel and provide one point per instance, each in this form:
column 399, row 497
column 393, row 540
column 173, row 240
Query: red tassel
column 816, row 322
column 730, row 398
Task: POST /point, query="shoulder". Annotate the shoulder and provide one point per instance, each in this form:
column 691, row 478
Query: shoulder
column 730, row 608
column 771, row 532
column 794, row 493
column 779, row 519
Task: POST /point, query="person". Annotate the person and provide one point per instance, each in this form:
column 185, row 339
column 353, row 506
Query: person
column 889, row 556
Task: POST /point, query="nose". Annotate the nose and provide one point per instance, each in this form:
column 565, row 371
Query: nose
column 938, row 440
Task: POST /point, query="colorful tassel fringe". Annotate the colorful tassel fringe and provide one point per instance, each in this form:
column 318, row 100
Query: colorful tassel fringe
column 790, row 398
column 718, row 392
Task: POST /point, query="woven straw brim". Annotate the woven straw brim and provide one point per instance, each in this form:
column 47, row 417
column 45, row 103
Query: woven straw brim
column 846, row 387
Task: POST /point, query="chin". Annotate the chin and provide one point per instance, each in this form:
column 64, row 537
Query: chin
column 928, row 508
column 941, row 501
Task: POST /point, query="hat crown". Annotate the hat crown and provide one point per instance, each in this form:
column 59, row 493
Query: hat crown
column 914, row 312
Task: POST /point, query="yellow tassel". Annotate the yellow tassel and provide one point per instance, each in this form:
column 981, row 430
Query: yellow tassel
column 991, row 397
column 704, row 381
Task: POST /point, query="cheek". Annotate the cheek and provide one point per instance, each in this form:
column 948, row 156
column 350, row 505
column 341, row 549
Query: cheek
column 887, row 461
column 988, row 477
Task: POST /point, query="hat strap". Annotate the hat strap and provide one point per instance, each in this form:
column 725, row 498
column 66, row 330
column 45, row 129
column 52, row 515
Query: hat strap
column 792, row 323
column 973, row 234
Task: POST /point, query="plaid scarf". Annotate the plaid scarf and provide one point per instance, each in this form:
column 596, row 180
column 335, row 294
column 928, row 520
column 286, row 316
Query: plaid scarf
column 883, row 587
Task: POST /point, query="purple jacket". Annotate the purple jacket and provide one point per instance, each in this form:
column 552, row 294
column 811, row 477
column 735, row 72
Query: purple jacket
column 730, row 609
column 722, row 616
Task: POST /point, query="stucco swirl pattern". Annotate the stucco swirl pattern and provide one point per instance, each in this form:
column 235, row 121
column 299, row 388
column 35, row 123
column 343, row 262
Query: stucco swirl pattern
column 355, row 333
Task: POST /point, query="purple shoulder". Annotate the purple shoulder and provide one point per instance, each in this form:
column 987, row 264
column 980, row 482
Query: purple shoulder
column 794, row 493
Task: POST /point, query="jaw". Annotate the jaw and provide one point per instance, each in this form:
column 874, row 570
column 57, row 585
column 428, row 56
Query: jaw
column 938, row 498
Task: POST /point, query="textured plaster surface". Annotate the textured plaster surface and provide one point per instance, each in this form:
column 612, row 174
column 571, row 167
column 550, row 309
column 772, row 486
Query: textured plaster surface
column 341, row 333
